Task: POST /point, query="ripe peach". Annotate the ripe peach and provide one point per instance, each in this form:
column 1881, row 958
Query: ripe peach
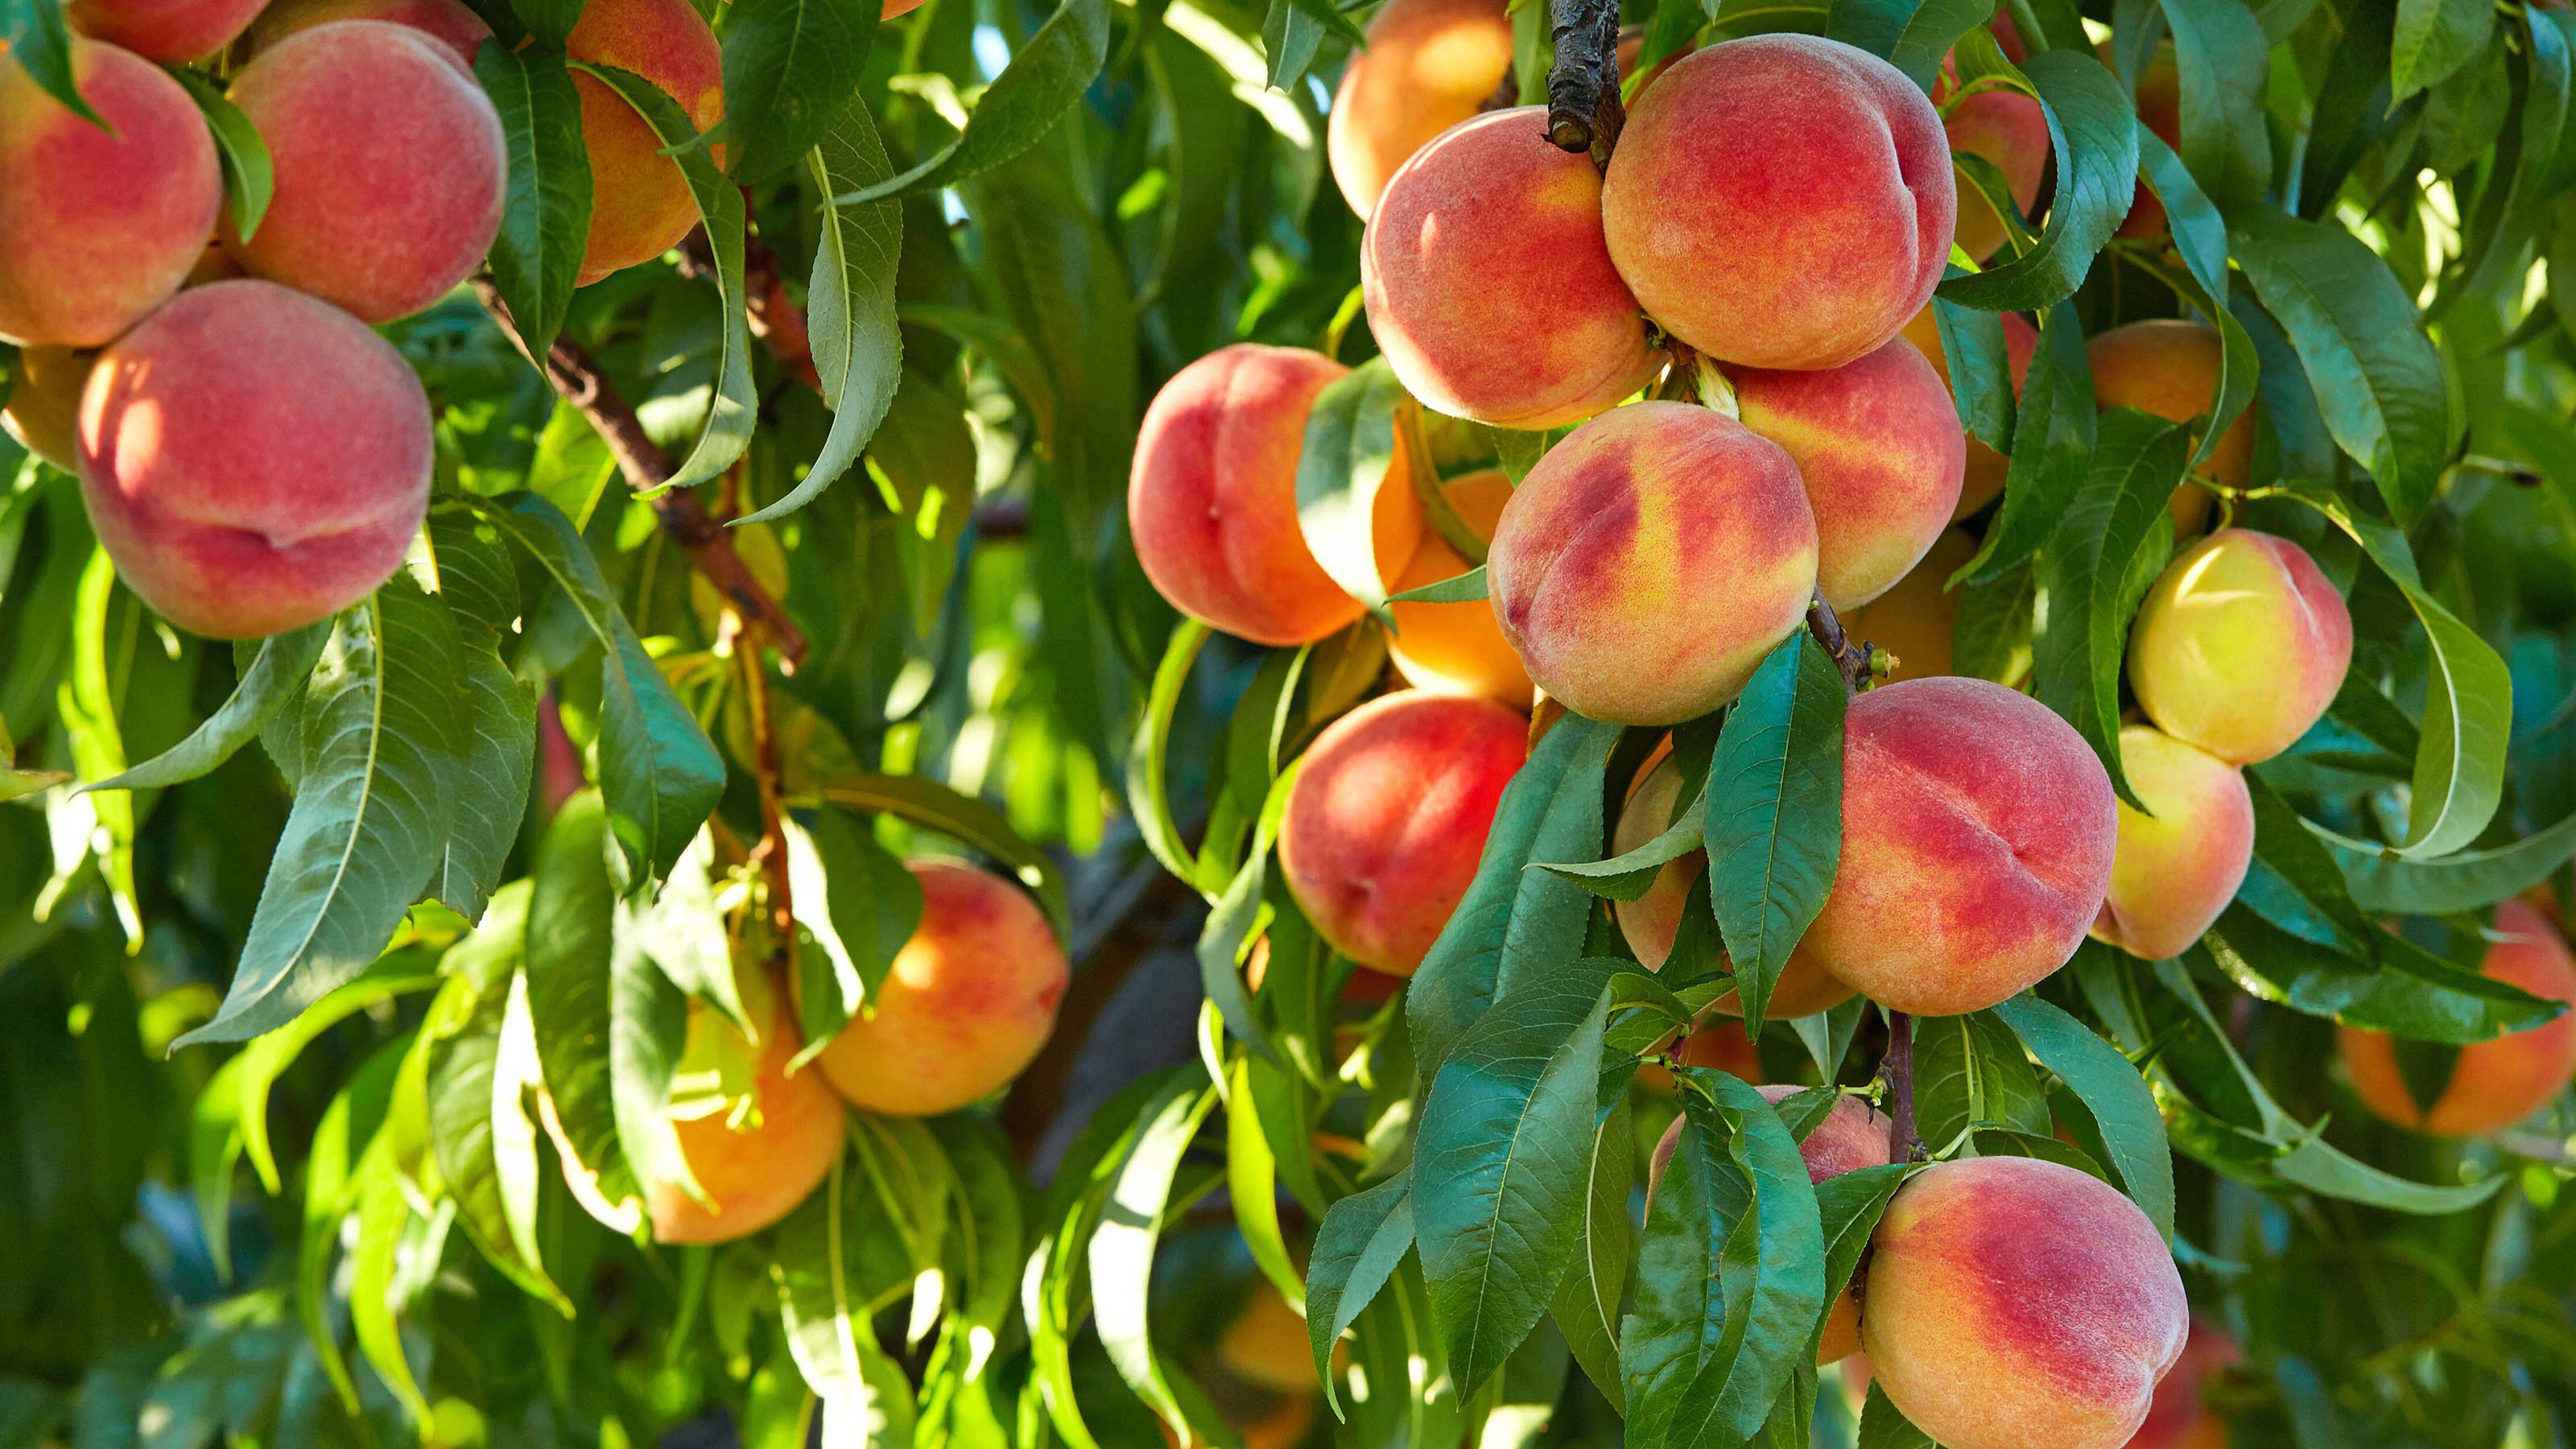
column 2240, row 646
column 1458, row 648
column 2159, row 110
column 2170, row 368
column 1212, row 497
column 1429, row 65
column 640, row 203
column 390, row 169
column 455, row 29
column 1878, row 444
column 2176, row 870
column 167, row 30
column 1602, row 565
column 1984, row 479
column 2008, row 129
column 1853, row 1135
column 98, row 227
column 1388, row 818
column 241, row 500
column 757, row 1153
column 1915, row 621
column 1978, row 831
column 44, row 403
column 2020, row 1304
column 1651, row 921
column 1781, row 201
column 971, row 998
column 1487, row 283
column 2494, row 1083
column 1267, row 1344
column 2179, row 1416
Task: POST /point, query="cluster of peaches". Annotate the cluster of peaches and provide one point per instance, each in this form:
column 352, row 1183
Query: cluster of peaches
column 1765, row 238
column 253, row 456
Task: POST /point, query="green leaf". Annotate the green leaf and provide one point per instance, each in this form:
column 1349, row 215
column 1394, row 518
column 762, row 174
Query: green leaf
column 266, row 1058
column 1147, row 769
column 826, row 1314
column 1122, row 1249
column 1362, row 1238
column 862, row 906
column 490, row 785
column 1981, row 387
column 2414, row 994
column 2467, row 881
column 791, row 72
column 1912, row 34
column 1350, row 448
column 2433, row 39
column 1235, row 917
column 2223, row 67
column 545, row 212
column 2093, row 132
column 1969, row 1072
column 101, row 826
column 1774, row 817
column 2319, row 1167
column 383, row 1212
column 380, row 734
column 472, row 1124
column 1507, row 1132
column 849, row 304
column 249, row 177
column 41, row 43
column 1514, row 922
column 938, row 807
column 2123, row 1107
column 2052, row 450
column 659, row 772
column 732, row 408
column 2377, row 379
column 1252, row 1173
column 276, row 676
column 572, row 916
column 1848, row 1206
column 1884, row 1426
column 1628, row 875
column 1466, row 588
column 1586, row 1308
column 1043, row 81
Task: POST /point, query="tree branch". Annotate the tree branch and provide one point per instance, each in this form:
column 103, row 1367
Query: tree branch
column 1852, row 659
column 1583, row 110
column 1897, row 1070
column 580, row 380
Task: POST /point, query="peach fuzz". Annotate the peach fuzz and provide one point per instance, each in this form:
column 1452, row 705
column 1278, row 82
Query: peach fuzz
column 1977, row 845
column 1458, row 648
column 1852, row 1135
column 1600, row 570
column 640, row 203
column 2240, row 646
column 98, row 228
column 965, row 1008
column 2020, row 1304
column 1983, row 482
column 2177, row 869
column 1388, row 818
column 2494, row 1083
column 2179, row 1417
column 1212, row 497
column 2170, row 368
column 167, row 30
column 1781, row 201
column 1488, row 286
column 1878, row 445
column 389, row 162
column 755, row 1158
column 239, row 501
column 1651, row 921
column 44, row 403
column 1916, row 620
column 453, row 28
column 1428, row 65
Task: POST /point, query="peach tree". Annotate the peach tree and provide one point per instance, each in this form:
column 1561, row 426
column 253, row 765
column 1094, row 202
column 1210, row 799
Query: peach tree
column 1451, row 722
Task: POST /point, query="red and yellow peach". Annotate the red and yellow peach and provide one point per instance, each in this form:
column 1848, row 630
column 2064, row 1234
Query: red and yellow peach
column 2176, row 869
column 2494, row 1083
column 2240, row 646
column 640, row 202
column 2170, row 368
column 755, row 1155
column 1428, row 65
column 455, row 29
column 165, row 30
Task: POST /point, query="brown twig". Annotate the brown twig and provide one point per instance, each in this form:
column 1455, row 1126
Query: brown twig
column 1852, row 659
column 771, row 852
column 579, row 379
column 1583, row 110
column 1897, row 1070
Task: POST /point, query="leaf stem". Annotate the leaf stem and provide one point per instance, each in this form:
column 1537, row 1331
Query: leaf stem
column 1852, row 659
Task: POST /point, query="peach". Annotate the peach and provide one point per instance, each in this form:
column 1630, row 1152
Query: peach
column 2494, row 1083
column 1458, row 648
column 1852, row 1135
column 1710, row 1043
column 1978, row 832
column 1212, row 497
column 755, row 1153
column 1487, row 283
column 2179, row 1416
column 97, row 227
column 640, row 203
column 1781, row 201
column 2008, row 129
column 2020, row 1304
column 168, row 30
column 1266, row 1344
column 44, row 403
column 1983, row 481
column 1429, row 65
column 1603, row 566
column 2159, row 99
column 2240, row 646
column 1388, row 818
column 389, row 162
column 965, row 1008
column 1916, row 620
column 455, row 29
column 254, row 459
column 1878, row 444
column 1651, row 921
column 2176, row 870
column 2170, row 368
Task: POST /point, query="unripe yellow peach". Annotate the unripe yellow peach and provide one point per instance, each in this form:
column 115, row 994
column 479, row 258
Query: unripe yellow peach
column 2240, row 646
